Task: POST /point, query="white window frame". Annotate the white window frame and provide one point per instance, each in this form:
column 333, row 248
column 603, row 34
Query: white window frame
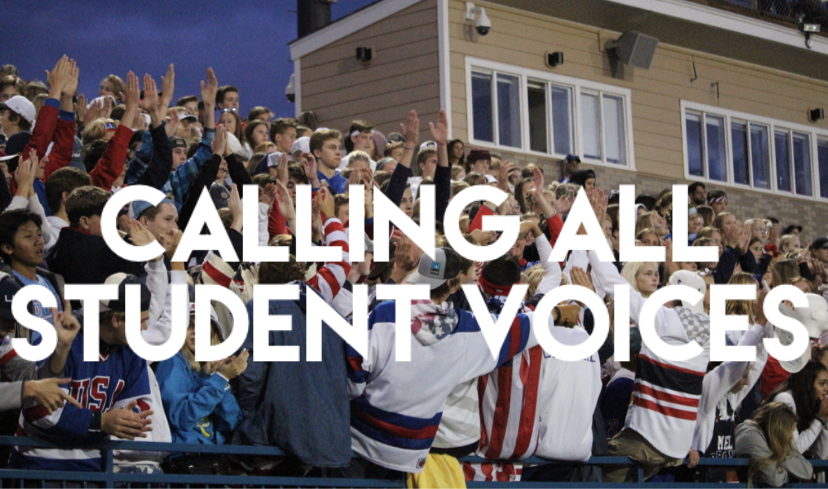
column 576, row 85
column 815, row 134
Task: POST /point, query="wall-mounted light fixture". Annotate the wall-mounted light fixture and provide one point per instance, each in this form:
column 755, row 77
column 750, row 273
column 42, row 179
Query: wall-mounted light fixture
column 816, row 114
column 364, row 54
column 554, row 59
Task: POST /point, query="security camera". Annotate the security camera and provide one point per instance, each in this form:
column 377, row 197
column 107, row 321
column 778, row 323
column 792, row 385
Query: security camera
column 482, row 24
column 290, row 89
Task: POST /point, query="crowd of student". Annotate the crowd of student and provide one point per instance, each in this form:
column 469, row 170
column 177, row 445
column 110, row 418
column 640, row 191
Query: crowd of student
column 67, row 156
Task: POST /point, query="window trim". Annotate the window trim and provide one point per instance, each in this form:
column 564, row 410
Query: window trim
column 814, row 133
column 575, row 85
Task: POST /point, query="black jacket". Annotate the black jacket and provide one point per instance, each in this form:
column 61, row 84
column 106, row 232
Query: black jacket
column 82, row 258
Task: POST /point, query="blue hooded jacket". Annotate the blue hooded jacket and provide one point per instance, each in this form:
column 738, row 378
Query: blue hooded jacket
column 201, row 408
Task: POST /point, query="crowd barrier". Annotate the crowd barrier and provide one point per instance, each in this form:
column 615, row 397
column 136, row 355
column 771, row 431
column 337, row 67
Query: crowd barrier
column 110, row 478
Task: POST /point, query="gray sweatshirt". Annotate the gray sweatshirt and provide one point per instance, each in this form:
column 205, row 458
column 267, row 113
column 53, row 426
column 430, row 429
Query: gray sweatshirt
column 14, row 371
column 751, row 443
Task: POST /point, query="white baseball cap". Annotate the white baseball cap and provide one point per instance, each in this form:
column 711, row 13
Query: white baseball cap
column 301, row 144
column 21, row 106
column 693, row 280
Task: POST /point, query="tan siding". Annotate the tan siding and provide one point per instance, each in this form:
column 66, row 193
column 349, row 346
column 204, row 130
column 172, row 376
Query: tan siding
column 403, row 75
column 522, row 40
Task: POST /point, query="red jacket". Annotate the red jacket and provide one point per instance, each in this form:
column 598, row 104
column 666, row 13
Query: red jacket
column 111, row 164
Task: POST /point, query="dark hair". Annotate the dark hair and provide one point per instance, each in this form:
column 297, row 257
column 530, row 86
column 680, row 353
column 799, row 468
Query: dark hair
column 10, row 222
column 297, row 173
column 279, row 126
column 360, row 126
column 93, row 152
column 186, row 100
column 339, row 201
column 256, row 112
column 223, row 90
column 63, row 180
column 308, row 118
column 248, row 131
column 318, row 139
column 801, row 386
column 118, row 112
column 715, row 194
column 462, row 160
column 86, row 201
column 19, row 120
column 502, row 271
column 281, row 272
column 691, row 189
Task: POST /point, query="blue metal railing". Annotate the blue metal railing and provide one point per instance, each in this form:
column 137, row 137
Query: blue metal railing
column 109, row 478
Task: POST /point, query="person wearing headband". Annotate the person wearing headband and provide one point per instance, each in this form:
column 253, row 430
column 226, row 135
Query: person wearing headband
column 717, row 199
column 360, row 137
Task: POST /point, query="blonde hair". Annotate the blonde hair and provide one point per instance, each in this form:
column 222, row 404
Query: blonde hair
column 96, row 129
column 215, row 339
column 777, row 422
column 630, row 274
column 359, row 156
column 533, row 277
column 741, row 308
column 786, row 240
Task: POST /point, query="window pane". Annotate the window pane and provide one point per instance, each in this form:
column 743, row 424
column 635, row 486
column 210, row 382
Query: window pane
column 716, row 149
column 802, row 163
column 562, row 120
column 537, row 117
column 822, row 155
column 783, row 165
column 760, row 156
column 482, row 107
column 508, row 110
column 738, row 135
column 590, row 117
column 614, row 130
column 694, row 144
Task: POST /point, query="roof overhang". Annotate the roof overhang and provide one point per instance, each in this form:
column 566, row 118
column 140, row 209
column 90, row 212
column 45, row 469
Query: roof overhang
column 347, row 25
column 695, row 26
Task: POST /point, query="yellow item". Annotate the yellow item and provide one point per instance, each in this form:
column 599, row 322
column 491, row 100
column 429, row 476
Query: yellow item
column 440, row 470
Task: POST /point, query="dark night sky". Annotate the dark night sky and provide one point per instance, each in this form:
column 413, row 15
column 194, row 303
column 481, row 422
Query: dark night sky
column 245, row 41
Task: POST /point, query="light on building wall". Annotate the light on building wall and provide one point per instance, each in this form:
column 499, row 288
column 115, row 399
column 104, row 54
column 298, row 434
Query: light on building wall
column 554, row 59
column 364, row 54
column 816, row 114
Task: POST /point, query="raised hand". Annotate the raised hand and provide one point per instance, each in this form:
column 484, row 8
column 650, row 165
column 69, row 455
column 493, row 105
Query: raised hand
column 220, row 141
column 106, row 110
column 172, row 123
column 326, row 202
column 568, row 315
column 58, row 77
column 282, row 169
column 439, row 131
column 579, row 277
column 506, row 170
column 139, row 233
column 25, row 175
column 209, row 89
column 310, row 164
column 133, row 90
column 235, row 366
column 70, row 86
column 537, row 178
column 67, row 327
column 168, row 86
column 92, row 112
column 48, row 393
column 150, row 102
column 286, row 207
column 170, row 242
column 410, row 129
column 599, row 201
column 80, row 106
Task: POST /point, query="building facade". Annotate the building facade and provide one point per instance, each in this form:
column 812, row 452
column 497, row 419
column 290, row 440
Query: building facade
column 726, row 100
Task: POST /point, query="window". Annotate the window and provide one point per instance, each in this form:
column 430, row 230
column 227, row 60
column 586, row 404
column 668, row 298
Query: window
column 514, row 108
column 745, row 150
